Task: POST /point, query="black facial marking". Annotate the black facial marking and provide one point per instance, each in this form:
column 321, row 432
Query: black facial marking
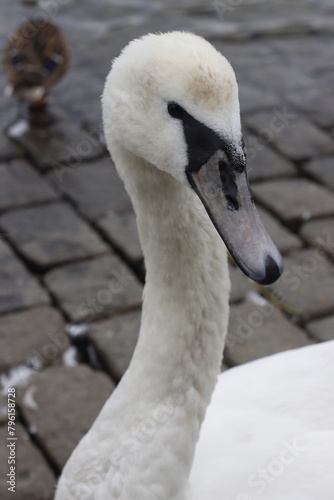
column 229, row 185
column 175, row 110
column 238, row 165
column 203, row 143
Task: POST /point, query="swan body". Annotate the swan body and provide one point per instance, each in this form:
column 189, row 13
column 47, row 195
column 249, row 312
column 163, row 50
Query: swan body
column 279, row 444
column 172, row 125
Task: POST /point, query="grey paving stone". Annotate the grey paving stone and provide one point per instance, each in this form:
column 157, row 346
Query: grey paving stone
column 100, row 195
column 290, row 133
column 304, row 54
column 322, row 169
column 88, row 107
column 51, row 234
column 240, row 284
column 280, row 77
column 326, row 77
column 245, row 57
column 256, row 331
column 263, row 162
column 253, row 98
column 294, row 200
column 93, row 289
column 8, row 112
column 60, row 404
column 8, row 149
column 95, row 187
column 322, row 329
column 58, row 144
column 307, row 285
column 115, row 340
column 34, row 478
column 281, row 26
column 18, row 289
column 121, row 231
column 320, row 232
column 35, row 337
column 73, row 93
column 316, row 101
column 284, row 239
column 21, row 185
column 242, row 31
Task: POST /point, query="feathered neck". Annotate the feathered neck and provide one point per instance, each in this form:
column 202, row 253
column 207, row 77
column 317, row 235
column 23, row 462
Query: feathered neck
column 184, row 321
column 143, row 442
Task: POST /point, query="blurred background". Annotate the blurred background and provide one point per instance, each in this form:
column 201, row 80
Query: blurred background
column 71, row 267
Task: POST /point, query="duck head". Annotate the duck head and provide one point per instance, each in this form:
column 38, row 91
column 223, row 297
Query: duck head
column 172, row 100
column 35, row 57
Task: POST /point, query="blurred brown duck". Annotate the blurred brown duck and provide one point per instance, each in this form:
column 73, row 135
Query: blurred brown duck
column 34, row 59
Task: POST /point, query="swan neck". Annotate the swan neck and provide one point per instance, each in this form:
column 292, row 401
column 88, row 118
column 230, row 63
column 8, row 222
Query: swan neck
column 184, row 321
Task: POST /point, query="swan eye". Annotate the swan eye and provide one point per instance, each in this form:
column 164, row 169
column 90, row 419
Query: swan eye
column 175, row 110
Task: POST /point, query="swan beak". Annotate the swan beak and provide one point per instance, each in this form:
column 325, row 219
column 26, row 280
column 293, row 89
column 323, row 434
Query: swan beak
column 225, row 193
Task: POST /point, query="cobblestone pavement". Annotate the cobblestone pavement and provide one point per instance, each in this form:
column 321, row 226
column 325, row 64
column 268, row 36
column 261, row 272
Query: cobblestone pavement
column 71, row 270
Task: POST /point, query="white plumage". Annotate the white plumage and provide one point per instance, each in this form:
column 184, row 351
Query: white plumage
column 269, row 429
column 278, row 438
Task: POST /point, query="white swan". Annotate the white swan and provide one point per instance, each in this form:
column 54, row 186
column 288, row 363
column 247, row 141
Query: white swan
column 172, row 125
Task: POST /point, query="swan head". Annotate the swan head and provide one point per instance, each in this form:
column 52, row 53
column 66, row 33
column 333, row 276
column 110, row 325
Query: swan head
column 172, row 100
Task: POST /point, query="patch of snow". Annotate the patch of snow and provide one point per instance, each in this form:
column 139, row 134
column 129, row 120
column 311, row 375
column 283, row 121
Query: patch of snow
column 29, row 400
column 255, row 298
column 18, row 376
column 74, row 330
column 70, row 356
column 32, row 429
column 18, row 129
